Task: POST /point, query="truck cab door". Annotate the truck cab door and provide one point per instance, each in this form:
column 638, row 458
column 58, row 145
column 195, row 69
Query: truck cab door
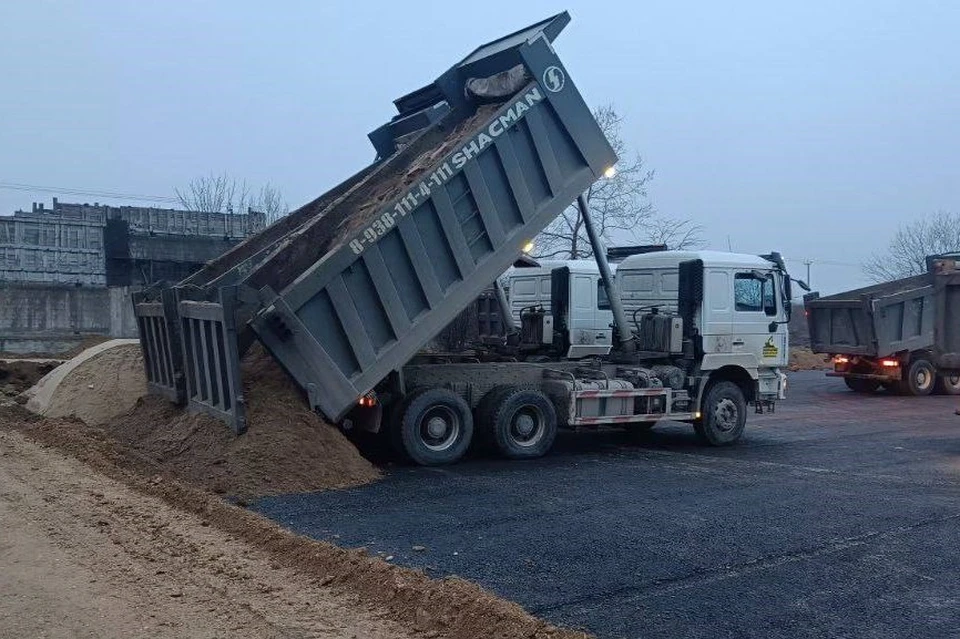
column 716, row 312
column 757, row 303
column 587, row 337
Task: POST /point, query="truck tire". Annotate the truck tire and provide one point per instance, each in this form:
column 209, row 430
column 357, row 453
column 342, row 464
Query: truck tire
column 724, row 415
column 434, row 428
column 524, row 424
column 483, row 417
column 920, row 379
column 948, row 384
column 858, row 385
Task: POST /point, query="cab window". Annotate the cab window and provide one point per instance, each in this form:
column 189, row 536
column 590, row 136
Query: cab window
column 603, row 302
column 753, row 294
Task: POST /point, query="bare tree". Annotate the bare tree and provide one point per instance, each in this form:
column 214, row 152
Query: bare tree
column 620, row 207
column 913, row 242
column 225, row 194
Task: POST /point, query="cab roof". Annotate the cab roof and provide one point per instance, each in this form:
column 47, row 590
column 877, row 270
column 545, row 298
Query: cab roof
column 670, row 259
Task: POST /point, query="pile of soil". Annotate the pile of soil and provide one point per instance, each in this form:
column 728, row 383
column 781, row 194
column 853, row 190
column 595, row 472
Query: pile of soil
column 99, row 389
column 287, row 448
column 18, row 376
column 803, row 359
column 450, row 607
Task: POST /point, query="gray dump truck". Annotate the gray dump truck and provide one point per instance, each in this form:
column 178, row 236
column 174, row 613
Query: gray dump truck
column 902, row 335
column 347, row 291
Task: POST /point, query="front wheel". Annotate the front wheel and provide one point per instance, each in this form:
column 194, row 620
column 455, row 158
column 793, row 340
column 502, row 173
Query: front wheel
column 724, row 415
column 435, row 427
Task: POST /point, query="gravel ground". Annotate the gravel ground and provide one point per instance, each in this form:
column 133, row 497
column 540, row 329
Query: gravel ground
column 837, row 516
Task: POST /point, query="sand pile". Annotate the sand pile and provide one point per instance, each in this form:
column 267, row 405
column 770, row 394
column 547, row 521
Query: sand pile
column 450, row 607
column 803, row 359
column 287, row 448
column 100, row 388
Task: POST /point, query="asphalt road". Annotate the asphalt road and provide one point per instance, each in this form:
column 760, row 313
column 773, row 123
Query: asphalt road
column 837, row 516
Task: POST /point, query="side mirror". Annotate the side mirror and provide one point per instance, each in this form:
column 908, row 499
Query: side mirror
column 773, row 327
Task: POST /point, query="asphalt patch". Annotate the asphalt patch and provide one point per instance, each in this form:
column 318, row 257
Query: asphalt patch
column 838, row 515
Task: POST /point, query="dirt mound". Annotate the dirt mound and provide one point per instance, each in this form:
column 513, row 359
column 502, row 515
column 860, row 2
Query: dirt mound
column 288, row 448
column 450, row 607
column 99, row 389
column 18, row 376
column 803, row 359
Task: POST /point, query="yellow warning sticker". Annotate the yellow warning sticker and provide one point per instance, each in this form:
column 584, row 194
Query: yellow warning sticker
column 770, row 349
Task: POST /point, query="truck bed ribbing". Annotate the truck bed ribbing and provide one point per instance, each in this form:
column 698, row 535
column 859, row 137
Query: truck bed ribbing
column 348, row 288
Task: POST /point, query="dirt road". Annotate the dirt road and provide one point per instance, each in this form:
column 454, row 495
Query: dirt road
column 82, row 555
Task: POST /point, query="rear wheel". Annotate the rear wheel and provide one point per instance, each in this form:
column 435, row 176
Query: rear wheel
column 859, row 385
column 724, row 415
column 524, row 424
column 435, row 427
column 920, row 378
column 948, row 384
column 483, row 416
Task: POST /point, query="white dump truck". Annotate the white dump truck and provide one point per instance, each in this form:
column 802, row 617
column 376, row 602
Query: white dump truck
column 346, row 292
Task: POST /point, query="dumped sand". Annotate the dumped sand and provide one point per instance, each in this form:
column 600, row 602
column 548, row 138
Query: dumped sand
column 451, row 607
column 100, row 388
column 84, row 555
column 287, row 448
column 803, row 359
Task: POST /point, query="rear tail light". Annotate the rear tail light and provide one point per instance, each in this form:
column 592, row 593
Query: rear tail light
column 889, row 363
column 840, row 359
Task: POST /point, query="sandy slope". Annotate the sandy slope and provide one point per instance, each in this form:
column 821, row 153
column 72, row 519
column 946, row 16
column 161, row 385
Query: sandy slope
column 82, row 555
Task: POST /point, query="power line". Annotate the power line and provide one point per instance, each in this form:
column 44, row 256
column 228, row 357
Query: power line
column 15, row 186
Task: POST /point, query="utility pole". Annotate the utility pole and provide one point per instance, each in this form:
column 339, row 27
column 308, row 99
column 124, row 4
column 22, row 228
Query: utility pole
column 808, row 263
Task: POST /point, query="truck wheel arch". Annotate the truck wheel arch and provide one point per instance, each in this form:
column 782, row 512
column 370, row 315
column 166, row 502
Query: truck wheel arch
column 736, row 374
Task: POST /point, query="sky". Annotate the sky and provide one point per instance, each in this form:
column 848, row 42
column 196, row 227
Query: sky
column 814, row 128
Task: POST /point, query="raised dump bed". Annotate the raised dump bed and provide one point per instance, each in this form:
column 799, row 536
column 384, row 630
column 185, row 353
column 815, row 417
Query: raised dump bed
column 347, row 289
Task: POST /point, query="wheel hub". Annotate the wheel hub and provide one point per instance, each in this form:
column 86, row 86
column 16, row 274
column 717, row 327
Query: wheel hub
column 439, row 428
column 524, row 425
column 527, row 426
column 725, row 416
column 923, row 378
column 436, row 427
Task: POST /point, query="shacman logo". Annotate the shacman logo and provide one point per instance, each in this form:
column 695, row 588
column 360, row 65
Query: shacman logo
column 553, row 79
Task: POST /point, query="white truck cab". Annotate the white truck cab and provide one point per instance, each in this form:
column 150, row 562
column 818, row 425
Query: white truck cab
column 739, row 319
column 587, row 316
column 742, row 317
